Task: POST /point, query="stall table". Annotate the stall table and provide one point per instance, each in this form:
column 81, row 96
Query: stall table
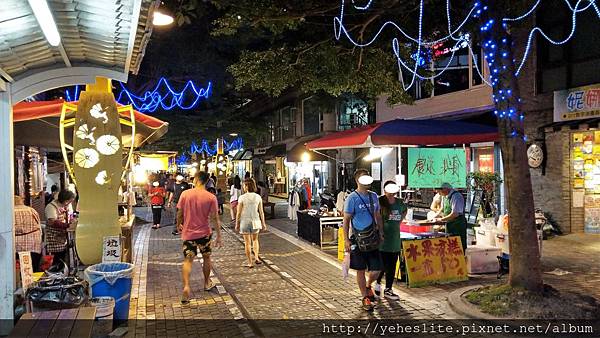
column 310, row 228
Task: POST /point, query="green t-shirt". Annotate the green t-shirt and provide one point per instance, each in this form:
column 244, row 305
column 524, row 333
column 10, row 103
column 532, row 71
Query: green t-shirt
column 391, row 227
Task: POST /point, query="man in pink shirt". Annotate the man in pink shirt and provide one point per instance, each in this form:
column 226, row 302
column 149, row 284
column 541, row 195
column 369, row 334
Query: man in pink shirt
column 194, row 209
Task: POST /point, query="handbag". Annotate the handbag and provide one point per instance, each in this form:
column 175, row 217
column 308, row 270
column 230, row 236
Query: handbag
column 368, row 239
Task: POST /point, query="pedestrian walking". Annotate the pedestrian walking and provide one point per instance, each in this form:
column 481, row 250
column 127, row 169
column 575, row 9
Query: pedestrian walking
column 57, row 223
column 157, row 200
column 177, row 189
column 393, row 211
column 361, row 211
column 195, row 209
column 250, row 219
column 28, row 232
column 220, row 200
column 235, row 192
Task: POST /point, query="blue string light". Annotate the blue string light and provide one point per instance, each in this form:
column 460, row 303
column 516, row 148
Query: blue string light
column 206, row 148
column 182, row 159
column 152, row 100
column 475, row 11
column 75, row 94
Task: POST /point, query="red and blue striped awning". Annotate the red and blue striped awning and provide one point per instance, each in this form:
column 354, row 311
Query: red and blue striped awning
column 408, row 132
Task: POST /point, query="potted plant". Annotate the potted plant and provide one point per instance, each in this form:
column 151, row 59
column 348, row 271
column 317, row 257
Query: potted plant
column 488, row 183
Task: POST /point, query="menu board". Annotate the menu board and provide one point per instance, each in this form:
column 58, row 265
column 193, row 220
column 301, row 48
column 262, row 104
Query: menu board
column 586, row 161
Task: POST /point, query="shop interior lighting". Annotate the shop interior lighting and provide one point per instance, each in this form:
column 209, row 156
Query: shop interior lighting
column 305, row 157
column 45, row 20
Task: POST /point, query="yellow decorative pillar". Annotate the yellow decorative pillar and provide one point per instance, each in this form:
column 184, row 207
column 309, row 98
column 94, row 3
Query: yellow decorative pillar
column 97, row 154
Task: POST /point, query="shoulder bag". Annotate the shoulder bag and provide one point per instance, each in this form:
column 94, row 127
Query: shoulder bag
column 368, row 239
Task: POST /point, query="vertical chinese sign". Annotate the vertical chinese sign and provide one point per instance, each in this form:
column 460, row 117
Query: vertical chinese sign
column 431, row 167
column 111, row 249
column 436, row 260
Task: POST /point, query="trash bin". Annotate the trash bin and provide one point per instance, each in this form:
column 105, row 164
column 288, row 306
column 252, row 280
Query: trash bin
column 57, row 292
column 105, row 307
column 112, row 280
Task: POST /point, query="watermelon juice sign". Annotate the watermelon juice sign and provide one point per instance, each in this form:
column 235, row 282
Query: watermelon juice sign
column 431, row 167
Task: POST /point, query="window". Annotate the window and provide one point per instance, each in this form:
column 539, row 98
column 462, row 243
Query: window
column 353, row 112
column 312, row 116
column 575, row 63
column 459, row 72
column 288, row 123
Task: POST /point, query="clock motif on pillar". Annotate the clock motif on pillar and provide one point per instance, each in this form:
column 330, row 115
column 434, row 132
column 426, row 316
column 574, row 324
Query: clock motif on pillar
column 535, row 155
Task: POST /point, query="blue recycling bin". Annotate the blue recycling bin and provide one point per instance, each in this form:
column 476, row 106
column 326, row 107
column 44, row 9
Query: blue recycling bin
column 112, row 280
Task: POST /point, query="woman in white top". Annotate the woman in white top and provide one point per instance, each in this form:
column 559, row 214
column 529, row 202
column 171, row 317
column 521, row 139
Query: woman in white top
column 250, row 220
column 235, row 192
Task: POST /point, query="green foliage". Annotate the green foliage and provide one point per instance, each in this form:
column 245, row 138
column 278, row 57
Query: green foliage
column 291, row 45
column 488, row 183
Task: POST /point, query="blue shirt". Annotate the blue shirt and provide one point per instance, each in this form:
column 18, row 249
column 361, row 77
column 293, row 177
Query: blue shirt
column 361, row 209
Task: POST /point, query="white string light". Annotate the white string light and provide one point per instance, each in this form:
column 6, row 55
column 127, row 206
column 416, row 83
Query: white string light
column 475, row 10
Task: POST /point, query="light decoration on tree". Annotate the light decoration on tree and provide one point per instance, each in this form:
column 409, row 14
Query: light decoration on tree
column 493, row 50
column 209, row 150
column 166, row 99
column 474, row 12
column 163, row 96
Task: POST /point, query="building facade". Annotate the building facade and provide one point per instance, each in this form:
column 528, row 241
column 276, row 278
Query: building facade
column 560, row 90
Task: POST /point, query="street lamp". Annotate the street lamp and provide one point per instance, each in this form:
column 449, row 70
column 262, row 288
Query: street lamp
column 162, row 17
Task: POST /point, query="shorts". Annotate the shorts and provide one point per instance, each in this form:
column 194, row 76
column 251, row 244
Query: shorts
column 246, row 227
column 365, row 260
column 233, row 204
column 191, row 247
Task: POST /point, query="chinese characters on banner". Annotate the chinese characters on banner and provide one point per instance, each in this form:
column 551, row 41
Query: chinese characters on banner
column 430, row 167
column 577, row 103
column 26, row 268
column 435, row 260
column 111, row 251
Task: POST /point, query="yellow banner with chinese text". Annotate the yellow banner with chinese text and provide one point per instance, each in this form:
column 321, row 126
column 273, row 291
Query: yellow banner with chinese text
column 434, row 260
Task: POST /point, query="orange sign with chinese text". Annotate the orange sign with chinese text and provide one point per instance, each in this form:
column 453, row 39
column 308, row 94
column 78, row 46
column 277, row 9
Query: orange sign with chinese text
column 434, row 260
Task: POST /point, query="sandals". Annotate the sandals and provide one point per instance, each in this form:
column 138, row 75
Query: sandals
column 185, row 299
column 210, row 286
column 257, row 262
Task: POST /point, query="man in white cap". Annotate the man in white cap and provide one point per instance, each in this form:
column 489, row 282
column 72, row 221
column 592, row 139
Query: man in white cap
column 178, row 187
column 361, row 210
column 453, row 211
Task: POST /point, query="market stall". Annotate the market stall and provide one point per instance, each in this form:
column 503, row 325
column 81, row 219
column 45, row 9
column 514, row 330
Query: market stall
column 40, row 125
column 319, row 228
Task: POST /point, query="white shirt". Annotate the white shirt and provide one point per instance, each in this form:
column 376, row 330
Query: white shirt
column 250, row 202
column 235, row 194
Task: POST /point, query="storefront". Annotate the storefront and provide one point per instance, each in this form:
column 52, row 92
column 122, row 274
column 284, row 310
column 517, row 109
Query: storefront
column 269, row 167
column 242, row 162
column 309, row 166
column 576, row 132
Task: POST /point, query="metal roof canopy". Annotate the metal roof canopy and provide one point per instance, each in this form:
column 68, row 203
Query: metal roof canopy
column 98, row 38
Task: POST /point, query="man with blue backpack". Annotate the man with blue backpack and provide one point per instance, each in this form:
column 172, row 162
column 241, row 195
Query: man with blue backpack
column 361, row 211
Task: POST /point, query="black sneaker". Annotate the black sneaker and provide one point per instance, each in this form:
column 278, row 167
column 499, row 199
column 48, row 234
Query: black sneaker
column 389, row 294
column 174, row 233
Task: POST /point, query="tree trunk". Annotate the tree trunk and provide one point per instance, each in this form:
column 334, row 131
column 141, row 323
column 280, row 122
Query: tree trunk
column 525, row 267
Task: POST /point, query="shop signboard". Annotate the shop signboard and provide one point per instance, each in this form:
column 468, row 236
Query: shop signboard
column 431, row 167
column 577, row 103
column 26, row 268
column 435, row 260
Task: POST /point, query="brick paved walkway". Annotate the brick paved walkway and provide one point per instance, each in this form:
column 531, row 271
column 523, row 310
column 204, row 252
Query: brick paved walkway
column 296, row 281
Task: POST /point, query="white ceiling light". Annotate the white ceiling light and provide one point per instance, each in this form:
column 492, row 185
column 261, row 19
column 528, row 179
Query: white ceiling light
column 160, row 19
column 45, row 20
